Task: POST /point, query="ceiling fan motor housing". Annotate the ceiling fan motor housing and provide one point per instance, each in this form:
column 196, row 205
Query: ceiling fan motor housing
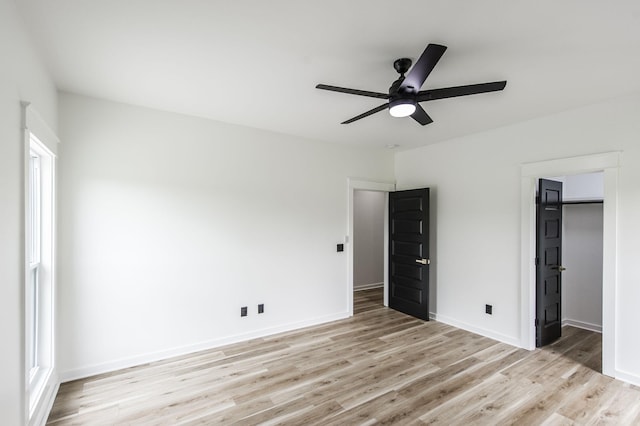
column 397, row 93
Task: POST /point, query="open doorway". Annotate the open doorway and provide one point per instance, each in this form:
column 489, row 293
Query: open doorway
column 582, row 251
column 363, row 195
column 569, row 257
column 389, row 251
column 607, row 163
column 368, row 249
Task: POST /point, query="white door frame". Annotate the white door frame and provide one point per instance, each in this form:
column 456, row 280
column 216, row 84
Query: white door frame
column 358, row 184
column 608, row 163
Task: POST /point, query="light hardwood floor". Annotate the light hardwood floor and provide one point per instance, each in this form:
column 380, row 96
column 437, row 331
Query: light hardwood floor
column 379, row 367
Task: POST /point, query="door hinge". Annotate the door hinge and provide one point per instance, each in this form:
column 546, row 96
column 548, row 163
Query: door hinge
column 537, row 261
column 536, row 322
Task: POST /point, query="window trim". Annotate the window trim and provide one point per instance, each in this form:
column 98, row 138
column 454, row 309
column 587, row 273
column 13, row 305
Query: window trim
column 39, row 282
column 41, row 382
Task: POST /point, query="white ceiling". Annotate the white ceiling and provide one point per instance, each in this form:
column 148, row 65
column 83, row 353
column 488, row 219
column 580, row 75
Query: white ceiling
column 256, row 62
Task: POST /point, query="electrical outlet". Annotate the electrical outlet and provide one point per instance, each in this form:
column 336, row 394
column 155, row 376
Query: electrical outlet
column 340, row 247
column 261, row 308
column 488, row 309
column 243, row 311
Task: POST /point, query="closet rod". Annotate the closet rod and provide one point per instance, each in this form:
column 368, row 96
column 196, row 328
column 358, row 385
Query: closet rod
column 583, row 202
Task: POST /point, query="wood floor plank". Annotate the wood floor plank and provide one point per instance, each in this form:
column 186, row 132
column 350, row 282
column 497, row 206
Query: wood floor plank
column 366, row 412
column 592, row 395
column 623, row 407
column 378, row 367
column 465, row 402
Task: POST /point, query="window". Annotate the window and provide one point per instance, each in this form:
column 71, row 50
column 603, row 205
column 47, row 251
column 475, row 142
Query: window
column 34, row 225
column 38, row 327
column 39, row 274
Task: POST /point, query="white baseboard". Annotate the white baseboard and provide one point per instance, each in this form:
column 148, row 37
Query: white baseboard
column 88, row 371
column 477, row 330
column 627, row 377
column 367, row 286
column 581, row 324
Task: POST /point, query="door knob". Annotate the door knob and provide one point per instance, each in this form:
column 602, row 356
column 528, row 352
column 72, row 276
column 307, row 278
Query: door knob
column 559, row 268
column 423, row 261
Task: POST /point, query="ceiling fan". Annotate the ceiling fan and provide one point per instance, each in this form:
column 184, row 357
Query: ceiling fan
column 404, row 95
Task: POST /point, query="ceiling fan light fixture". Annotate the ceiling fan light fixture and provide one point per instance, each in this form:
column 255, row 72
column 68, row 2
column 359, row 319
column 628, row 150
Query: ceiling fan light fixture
column 402, row 107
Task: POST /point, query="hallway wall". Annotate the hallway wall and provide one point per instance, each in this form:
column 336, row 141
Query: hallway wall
column 368, row 239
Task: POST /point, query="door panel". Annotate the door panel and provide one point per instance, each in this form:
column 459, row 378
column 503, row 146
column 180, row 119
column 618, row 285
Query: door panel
column 408, row 271
column 548, row 262
column 401, row 248
column 408, row 248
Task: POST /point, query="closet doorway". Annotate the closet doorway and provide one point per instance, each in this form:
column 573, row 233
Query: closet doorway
column 577, row 268
column 608, row 163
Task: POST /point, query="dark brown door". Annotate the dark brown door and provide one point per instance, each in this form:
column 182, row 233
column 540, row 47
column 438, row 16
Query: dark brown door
column 548, row 262
column 409, row 252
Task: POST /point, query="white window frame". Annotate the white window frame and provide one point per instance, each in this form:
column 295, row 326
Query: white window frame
column 41, row 380
column 34, row 243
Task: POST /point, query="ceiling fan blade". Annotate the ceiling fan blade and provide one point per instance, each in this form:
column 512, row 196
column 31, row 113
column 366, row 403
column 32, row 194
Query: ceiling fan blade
column 366, row 114
column 421, row 116
column 452, row 92
column 422, row 68
column 353, row 91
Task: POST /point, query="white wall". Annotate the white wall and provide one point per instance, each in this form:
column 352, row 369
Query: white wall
column 22, row 78
column 368, row 239
column 477, row 179
column 169, row 224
